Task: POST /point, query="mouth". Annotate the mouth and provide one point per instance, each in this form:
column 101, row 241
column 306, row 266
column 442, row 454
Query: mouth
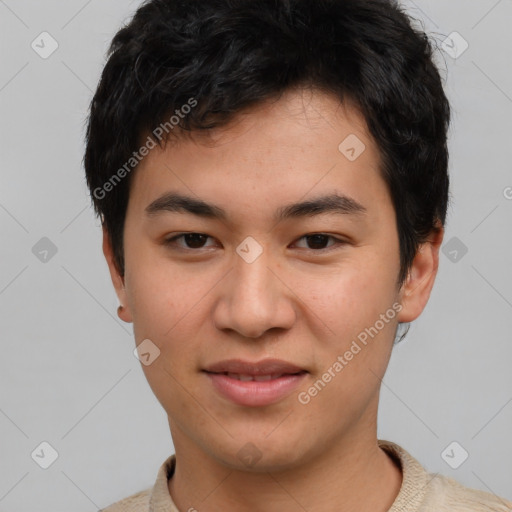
column 264, row 368
column 256, row 378
column 249, row 390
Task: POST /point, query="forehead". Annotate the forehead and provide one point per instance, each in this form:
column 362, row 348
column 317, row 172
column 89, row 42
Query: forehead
column 299, row 115
column 304, row 142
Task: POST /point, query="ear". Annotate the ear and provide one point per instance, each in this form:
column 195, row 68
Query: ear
column 415, row 291
column 117, row 278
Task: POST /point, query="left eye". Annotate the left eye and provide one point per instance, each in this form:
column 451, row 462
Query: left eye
column 319, row 241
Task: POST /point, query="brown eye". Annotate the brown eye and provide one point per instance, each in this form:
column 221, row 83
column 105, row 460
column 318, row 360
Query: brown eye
column 319, row 241
column 195, row 240
column 191, row 240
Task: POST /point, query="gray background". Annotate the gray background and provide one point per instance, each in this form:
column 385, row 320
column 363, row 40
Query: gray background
column 68, row 375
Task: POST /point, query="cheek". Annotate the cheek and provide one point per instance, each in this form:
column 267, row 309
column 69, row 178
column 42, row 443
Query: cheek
column 165, row 308
column 352, row 296
column 160, row 295
column 168, row 308
column 356, row 304
column 354, row 356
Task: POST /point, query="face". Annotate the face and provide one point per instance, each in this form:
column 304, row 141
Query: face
column 236, row 272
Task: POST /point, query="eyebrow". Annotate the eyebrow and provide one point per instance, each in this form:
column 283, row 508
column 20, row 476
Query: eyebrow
column 332, row 203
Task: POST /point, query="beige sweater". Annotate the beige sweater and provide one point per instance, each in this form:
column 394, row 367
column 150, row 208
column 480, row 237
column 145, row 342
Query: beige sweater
column 420, row 491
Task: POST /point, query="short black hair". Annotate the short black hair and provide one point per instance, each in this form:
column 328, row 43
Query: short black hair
column 194, row 64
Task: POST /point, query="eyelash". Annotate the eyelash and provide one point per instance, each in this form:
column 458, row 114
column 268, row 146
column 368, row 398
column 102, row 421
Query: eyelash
column 337, row 242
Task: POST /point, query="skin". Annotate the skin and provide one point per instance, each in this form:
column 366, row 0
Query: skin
column 295, row 302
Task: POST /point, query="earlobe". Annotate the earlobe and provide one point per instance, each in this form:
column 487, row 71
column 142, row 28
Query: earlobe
column 118, row 281
column 416, row 290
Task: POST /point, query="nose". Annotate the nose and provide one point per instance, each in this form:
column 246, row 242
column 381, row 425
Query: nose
column 254, row 299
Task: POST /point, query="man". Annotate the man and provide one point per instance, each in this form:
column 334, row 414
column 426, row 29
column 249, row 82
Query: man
column 272, row 182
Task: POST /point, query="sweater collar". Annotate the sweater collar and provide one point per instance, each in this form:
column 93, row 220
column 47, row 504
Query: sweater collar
column 414, row 479
column 410, row 497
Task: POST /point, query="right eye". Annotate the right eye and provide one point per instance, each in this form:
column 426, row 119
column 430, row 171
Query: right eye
column 191, row 240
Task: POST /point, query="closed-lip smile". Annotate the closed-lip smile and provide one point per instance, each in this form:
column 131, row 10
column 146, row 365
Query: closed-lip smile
column 254, row 384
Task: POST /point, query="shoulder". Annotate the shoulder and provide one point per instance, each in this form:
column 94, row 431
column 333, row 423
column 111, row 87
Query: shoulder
column 135, row 503
column 423, row 491
column 155, row 498
column 445, row 493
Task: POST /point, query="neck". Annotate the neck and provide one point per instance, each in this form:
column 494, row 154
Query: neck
column 353, row 474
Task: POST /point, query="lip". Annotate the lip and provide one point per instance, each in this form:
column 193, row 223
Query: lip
column 264, row 367
column 255, row 393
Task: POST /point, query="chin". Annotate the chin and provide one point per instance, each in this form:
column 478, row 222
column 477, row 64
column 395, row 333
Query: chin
column 261, row 455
